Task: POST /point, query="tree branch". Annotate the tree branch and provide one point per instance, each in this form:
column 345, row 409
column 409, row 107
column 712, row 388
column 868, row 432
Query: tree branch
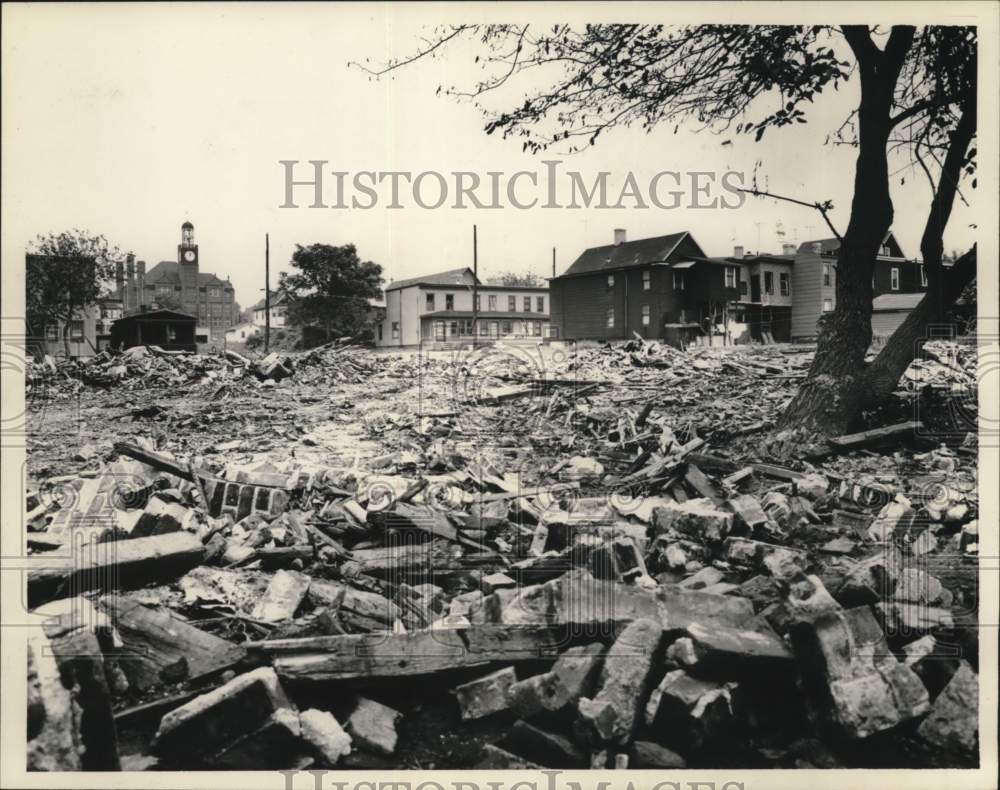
column 822, row 208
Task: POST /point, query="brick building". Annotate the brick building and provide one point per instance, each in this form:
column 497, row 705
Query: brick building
column 180, row 285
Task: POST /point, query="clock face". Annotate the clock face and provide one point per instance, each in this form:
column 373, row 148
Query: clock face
column 189, row 255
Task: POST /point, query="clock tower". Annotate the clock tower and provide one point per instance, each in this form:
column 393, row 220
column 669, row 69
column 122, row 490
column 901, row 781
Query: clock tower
column 187, row 269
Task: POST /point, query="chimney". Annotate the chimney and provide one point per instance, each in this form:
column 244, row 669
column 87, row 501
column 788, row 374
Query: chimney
column 619, row 236
column 738, row 251
column 788, row 249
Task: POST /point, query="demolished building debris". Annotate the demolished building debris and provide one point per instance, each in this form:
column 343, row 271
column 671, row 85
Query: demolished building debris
column 589, row 549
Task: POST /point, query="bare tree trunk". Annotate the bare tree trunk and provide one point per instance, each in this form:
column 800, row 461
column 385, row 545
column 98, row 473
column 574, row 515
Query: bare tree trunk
column 885, row 371
column 831, row 395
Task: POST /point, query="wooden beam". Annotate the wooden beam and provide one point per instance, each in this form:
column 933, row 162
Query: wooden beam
column 415, row 653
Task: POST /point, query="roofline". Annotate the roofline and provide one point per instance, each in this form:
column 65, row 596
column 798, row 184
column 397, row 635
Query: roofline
column 663, row 264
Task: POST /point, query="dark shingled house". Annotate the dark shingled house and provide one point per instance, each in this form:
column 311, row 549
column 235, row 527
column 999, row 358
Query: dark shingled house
column 663, row 287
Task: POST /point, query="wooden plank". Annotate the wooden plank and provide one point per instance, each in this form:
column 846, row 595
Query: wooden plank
column 695, row 478
column 777, row 471
column 414, row 653
column 877, row 435
column 122, row 564
column 157, row 644
column 712, row 463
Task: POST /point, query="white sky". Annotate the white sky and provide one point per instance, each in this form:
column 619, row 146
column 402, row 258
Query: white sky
column 127, row 120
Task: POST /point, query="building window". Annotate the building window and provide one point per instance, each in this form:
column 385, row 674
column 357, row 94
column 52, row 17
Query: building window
column 527, row 304
column 505, row 327
column 537, row 328
column 449, row 301
column 743, row 287
column 379, row 333
column 769, row 282
column 429, row 302
column 611, row 317
column 611, row 281
column 730, row 277
column 827, row 305
column 453, row 328
column 645, row 315
column 923, row 277
column 678, row 281
column 483, row 328
column 784, row 283
column 540, row 304
column 52, row 331
column 884, row 250
column 511, row 304
column 479, row 305
column 395, row 330
column 827, row 274
column 646, row 280
column 164, row 289
column 439, row 330
column 894, row 278
column 491, row 301
column 76, row 330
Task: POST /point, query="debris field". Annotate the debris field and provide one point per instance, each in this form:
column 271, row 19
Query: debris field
column 501, row 557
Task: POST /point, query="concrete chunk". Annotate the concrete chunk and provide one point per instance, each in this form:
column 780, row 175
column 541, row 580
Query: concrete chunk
column 486, row 695
column 571, row 677
column 953, row 722
column 282, row 597
column 372, row 726
column 210, row 722
column 845, row 661
column 612, row 714
column 324, row 733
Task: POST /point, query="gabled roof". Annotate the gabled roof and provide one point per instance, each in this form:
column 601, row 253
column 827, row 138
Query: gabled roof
column 628, row 254
column 277, row 298
column 456, row 277
column 832, row 246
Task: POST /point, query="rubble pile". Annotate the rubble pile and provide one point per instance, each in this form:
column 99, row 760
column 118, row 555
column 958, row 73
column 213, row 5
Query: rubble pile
column 493, row 568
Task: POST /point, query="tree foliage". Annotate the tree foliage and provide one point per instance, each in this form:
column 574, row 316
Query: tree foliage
column 329, row 289
column 71, row 271
column 917, row 100
column 522, row 279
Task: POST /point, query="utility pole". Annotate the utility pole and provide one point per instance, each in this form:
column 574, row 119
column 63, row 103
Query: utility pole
column 267, row 292
column 553, row 261
column 475, row 288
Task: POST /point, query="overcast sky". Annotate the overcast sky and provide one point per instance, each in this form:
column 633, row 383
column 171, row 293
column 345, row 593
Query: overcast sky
column 129, row 120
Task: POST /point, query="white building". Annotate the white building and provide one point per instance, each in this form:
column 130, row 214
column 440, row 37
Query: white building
column 438, row 308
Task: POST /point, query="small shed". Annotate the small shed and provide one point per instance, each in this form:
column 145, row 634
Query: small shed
column 171, row 330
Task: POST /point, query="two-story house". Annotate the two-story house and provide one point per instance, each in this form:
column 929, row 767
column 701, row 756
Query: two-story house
column 440, row 309
column 662, row 287
column 766, row 297
column 815, row 284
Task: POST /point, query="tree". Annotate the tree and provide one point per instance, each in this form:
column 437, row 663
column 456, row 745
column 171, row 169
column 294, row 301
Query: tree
column 330, row 289
column 917, row 95
column 527, row 279
column 66, row 272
